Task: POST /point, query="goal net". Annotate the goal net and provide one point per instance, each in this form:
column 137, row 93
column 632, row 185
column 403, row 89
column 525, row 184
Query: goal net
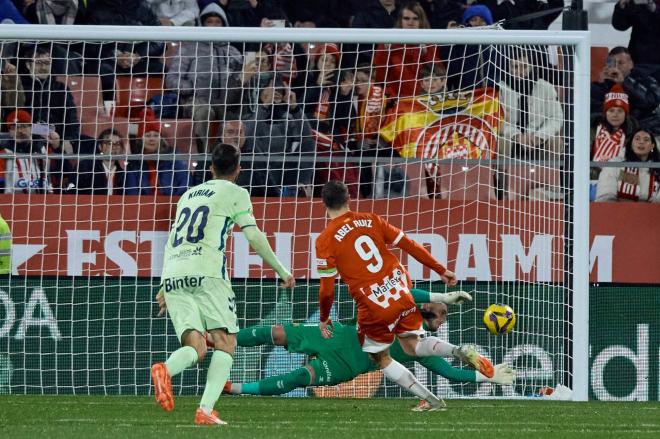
column 464, row 139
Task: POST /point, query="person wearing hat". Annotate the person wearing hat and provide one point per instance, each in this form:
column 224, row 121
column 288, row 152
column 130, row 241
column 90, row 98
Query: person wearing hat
column 610, row 129
column 477, row 16
column 155, row 176
column 25, row 174
column 207, row 77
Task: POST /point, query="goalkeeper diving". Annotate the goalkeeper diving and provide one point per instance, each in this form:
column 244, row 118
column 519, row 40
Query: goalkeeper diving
column 340, row 359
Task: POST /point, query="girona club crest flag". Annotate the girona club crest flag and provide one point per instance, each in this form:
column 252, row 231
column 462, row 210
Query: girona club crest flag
column 450, row 125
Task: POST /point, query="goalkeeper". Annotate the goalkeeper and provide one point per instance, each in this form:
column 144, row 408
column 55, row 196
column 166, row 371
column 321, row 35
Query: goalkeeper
column 340, row 358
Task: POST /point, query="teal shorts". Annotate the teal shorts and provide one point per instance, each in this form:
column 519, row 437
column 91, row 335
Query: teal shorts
column 200, row 303
column 336, row 360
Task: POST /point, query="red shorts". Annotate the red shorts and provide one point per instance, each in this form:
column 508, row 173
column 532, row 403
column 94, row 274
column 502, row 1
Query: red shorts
column 377, row 336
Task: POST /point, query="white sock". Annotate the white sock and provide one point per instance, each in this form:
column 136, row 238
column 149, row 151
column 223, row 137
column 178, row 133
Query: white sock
column 405, row 378
column 433, row 346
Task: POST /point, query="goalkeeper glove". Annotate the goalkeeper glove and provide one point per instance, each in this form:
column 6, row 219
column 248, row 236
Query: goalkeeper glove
column 503, row 375
column 453, row 298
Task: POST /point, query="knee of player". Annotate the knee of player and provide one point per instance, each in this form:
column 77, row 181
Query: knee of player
column 312, row 375
column 227, row 345
column 201, row 352
column 382, row 359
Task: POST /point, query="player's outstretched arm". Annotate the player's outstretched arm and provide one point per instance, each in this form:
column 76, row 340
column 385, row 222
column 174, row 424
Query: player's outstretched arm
column 418, row 252
column 452, row 298
column 260, row 244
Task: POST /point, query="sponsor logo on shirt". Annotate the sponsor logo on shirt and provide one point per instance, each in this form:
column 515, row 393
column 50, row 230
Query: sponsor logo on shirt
column 182, row 282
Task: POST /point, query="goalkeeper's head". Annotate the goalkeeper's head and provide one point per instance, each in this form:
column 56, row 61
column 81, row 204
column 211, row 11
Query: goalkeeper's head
column 226, row 162
column 434, row 315
column 335, row 197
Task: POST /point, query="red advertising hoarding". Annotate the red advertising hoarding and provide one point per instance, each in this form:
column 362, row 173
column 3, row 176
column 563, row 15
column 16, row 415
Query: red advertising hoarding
column 125, row 236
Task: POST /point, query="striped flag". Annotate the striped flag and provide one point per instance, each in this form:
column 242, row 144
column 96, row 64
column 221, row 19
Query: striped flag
column 450, row 125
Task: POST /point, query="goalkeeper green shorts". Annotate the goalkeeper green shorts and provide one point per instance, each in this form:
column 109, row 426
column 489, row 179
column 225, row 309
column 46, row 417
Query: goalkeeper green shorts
column 337, row 359
column 200, row 303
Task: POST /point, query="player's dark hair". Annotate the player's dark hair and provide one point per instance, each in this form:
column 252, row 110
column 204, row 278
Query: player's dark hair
column 335, row 194
column 226, row 159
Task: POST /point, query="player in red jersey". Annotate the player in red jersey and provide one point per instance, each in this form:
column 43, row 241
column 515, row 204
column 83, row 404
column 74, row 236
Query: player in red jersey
column 354, row 246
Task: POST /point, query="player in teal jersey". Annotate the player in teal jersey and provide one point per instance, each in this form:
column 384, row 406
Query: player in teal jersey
column 340, row 358
column 195, row 283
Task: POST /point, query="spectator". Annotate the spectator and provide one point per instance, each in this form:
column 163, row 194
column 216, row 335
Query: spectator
column 50, row 101
column 130, row 58
column 360, row 110
column 506, row 10
column 397, row 65
column 280, row 123
column 11, row 89
column 378, row 14
column 321, row 91
column 207, row 76
column 433, row 79
column 466, row 64
column 9, row 13
column 156, row 177
column 628, row 183
column 533, row 116
column 56, row 11
column 105, row 174
column 175, row 12
column 249, row 13
column 611, row 129
column 643, row 19
column 254, row 176
column 25, row 174
column 257, row 74
column 441, row 13
column 643, row 90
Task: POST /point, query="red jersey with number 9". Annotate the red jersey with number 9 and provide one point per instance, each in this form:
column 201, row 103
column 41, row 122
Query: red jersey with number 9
column 355, row 246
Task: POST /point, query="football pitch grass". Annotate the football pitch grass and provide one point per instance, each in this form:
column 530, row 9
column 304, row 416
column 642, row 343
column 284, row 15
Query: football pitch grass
column 72, row 417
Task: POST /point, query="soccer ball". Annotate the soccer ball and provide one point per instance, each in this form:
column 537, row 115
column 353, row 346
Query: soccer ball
column 499, row 319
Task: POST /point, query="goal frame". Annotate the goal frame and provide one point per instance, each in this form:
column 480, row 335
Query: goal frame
column 579, row 232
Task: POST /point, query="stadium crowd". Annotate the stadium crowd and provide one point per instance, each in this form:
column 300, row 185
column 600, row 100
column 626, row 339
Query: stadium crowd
column 304, row 113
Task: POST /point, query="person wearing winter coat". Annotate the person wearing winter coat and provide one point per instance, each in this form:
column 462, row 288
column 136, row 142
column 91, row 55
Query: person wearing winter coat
column 207, row 77
column 628, row 183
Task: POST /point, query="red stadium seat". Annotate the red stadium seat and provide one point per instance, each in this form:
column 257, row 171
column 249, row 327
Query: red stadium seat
column 598, row 59
column 179, row 134
column 466, row 182
column 533, row 181
column 134, row 92
column 86, row 93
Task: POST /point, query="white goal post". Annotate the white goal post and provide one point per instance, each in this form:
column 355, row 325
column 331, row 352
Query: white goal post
column 571, row 330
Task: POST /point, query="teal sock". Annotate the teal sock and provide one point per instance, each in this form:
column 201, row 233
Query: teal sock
column 219, row 368
column 182, row 358
column 278, row 385
column 254, row 336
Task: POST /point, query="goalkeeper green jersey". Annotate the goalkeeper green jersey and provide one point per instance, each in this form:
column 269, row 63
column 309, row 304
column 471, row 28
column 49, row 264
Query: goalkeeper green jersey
column 205, row 216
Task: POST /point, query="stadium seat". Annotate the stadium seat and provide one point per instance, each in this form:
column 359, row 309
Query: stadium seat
column 179, row 134
column 171, row 50
column 598, row 58
column 466, row 182
column 86, row 93
column 525, row 181
column 135, row 92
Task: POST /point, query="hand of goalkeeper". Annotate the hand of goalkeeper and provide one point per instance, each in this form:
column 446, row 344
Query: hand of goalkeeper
column 453, row 298
column 503, row 375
